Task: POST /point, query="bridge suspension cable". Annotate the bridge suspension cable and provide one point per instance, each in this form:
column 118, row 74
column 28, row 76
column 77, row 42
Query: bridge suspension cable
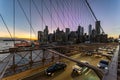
column 93, row 14
column 50, row 13
column 89, row 7
column 58, row 15
column 4, row 65
column 6, row 26
column 37, row 9
column 30, row 19
column 14, row 20
column 26, row 17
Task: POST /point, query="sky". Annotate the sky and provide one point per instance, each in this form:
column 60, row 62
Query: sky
column 58, row 13
column 108, row 12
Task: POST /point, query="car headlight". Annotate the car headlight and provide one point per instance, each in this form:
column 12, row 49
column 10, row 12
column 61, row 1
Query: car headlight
column 106, row 67
column 79, row 71
column 49, row 73
column 98, row 65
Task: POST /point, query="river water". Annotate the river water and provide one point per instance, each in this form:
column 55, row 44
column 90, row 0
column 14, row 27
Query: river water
column 6, row 45
column 9, row 44
column 23, row 57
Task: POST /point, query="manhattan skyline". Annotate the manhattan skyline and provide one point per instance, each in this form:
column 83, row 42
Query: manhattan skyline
column 107, row 11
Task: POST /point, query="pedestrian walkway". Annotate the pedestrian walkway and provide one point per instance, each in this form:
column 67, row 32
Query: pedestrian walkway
column 112, row 73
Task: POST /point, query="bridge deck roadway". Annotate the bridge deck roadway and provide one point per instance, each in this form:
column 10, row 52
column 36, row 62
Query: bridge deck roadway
column 67, row 74
column 112, row 73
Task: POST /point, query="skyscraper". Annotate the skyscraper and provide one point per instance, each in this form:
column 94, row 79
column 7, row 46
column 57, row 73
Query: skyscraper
column 67, row 32
column 46, row 34
column 93, row 35
column 97, row 27
column 79, row 30
column 40, row 36
column 90, row 30
column 82, row 30
column 93, row 32
column 78, row 34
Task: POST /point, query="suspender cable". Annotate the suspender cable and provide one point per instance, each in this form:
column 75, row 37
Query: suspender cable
column 73, row 19
column 62, row 10
column 13, row 58
column 51, row 13
column 41, row 15
column 65, row 7
column 6, row 26
column 58, row 15
column 14, row 21
column 63, row 13
column 88, row 5
column 91, row 10
column 30, row 20
column 68, row 15
column 26, row 16
column 42, row 11
column 68, row 11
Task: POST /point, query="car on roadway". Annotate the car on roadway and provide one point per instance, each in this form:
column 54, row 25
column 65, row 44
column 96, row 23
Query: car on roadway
column 103, row 64
column 110, row 52
column 89, row 53
column 77, row 69
column 54, row 68
column 97, row 55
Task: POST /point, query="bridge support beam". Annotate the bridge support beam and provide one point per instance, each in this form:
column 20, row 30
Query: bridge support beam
column 13, row 51
column 31, row 61
column 43, row 57
column 99, row 72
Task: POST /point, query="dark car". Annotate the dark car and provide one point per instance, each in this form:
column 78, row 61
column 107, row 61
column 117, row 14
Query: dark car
column 55, row 67
column 103, row 64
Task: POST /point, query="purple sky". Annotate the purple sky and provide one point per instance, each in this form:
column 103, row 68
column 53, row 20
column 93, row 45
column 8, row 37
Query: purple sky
column 59, row 13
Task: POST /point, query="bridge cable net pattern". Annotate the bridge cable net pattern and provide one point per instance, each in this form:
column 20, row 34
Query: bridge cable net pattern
column 4, row 65
column 99, row 72
column 54, row 13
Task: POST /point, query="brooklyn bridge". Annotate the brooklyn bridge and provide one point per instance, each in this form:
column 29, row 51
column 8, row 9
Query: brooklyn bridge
column 65, row 31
